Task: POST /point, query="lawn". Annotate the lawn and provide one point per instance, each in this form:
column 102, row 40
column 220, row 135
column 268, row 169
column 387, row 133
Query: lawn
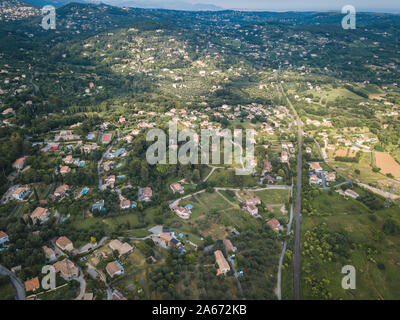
column 273, row 196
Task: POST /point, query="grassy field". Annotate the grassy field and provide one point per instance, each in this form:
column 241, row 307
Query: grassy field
column 374, row 254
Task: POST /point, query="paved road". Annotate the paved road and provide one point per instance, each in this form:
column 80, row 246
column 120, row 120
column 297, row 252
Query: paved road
column 279, row 292
column 17, row 284
column 296, row 251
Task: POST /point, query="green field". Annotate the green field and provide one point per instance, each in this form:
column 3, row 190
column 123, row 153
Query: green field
column 350, row 236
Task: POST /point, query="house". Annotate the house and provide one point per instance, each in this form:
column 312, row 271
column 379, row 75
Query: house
column 183, row 212
column 99, row 205
column 331, row 177
column 65, row 170
column 177, row 187
column 267, row 166
column 223, row 266
column 122, row 248
column 228, row 245
column 20, row 193
column 284, row 157
column 315, row 166
column 3, row 237
column 41, row 214
column 255, row 201
column 314, row 179
column 125, row 204
column 145, row 194
column 61, row 190
column 109, row 181
column 252, row 209
column 108, row 165
column 67, row 268
column 168, row 239
column 351, row 194
column 32, row 285
column 19, row 163
column 64, row 244
column 274, row 224
column 49, row 253
column 116, row 295
column 7, row 111
column 114, row 269
column 308, row 150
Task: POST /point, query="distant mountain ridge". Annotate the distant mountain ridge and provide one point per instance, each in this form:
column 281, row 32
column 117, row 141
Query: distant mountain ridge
column 171, row 5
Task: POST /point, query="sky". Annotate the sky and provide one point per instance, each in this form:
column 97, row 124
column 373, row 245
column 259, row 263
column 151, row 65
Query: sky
column 306, row 5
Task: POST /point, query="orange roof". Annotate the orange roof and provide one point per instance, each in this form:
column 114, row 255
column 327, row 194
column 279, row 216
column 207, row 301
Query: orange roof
column 19, row 161
column 39, row 212
column 62, row 242
column 273, row 223
column 32, row 285
column 221, row 261
column 66, row 267
column 3, row 234
column 112, row 268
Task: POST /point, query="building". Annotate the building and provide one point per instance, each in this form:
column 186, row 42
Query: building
column 223, row 266
column 314, row 179
column 315, row 166
column 145, row 194
column 125, row 204
column 274, row 224
column 20, row 193
column 65, row 244
column 19, row 163
column 331, row 177
column 122, row 248
column 40, row 214
column 351, row 194
column 114, row 269
column 67, row 268
column 284, row 157
column 168, row 239
column 116, row 295
column 65, row 170
column 61, row 191
column 99, row 205
column 177, row 187
column 182, row 212
column 228, row 245
column 32, row 285
column 252, row 209
column 49, row 253
column 267, row 166
column 3, row 237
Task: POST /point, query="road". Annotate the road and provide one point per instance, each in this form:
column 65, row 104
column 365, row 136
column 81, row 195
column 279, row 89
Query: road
column 17, row 284
column 279, row 281
column 232, row 263
column 99, row 170
column 296, row 249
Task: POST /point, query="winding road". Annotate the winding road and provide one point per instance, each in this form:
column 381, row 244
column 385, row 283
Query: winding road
column 17, row 284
